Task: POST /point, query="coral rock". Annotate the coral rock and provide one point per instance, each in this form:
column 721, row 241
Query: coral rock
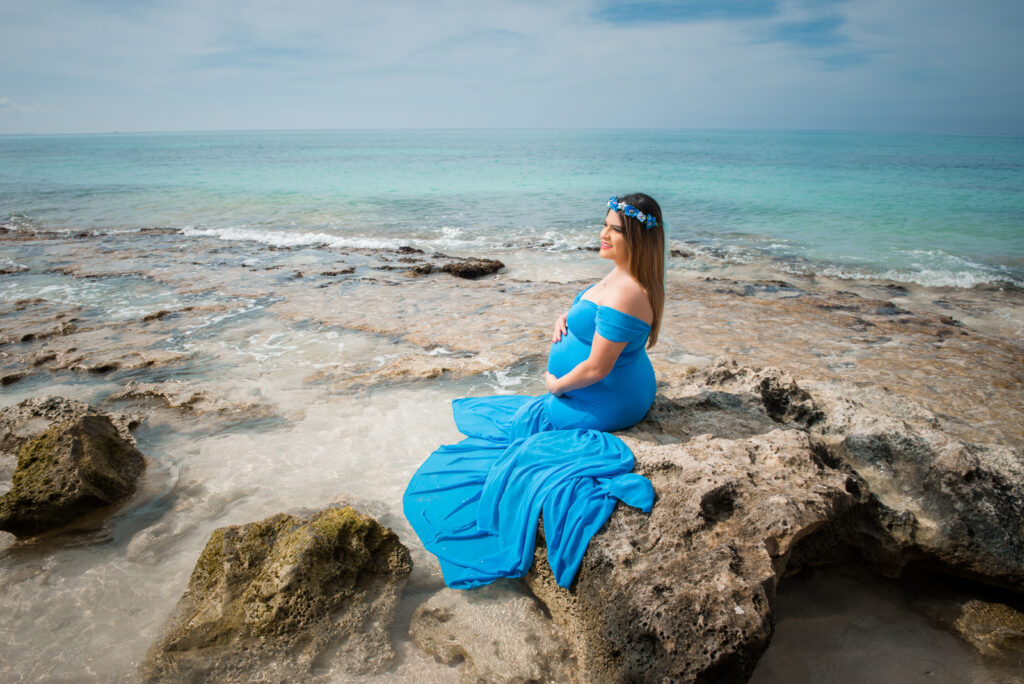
column 73, row 468
column 285, row 599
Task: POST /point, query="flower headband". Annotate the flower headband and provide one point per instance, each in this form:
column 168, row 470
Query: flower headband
column 630, row 210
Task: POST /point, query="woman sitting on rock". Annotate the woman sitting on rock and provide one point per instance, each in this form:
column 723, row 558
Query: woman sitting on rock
column 475, row 504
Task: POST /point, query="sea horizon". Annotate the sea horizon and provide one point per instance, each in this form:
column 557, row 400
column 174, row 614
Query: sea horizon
column 932, row 209
column 866, row 131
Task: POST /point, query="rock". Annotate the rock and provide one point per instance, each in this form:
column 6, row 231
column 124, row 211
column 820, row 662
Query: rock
column 56, row 330
column 984, row 619
column 994, row 629
column 174, row 394
column 73, row 468
column 32, row 417
column 952, row 505
column 472, row 268
column 156, row 315
column 783, row 400
column 927, row 498
column 421, row 269
column 685, row 593
column 12, row 378
column 183, row 396
column 501, row 635
column 757, row 477
column 284, row 599
column 456, row 266
column 42, row 357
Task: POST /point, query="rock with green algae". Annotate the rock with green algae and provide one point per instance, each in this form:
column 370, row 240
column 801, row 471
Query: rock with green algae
column 286, row 598
column 73, row 468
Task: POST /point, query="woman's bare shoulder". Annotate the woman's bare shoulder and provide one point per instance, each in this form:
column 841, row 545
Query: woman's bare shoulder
column 628, row 297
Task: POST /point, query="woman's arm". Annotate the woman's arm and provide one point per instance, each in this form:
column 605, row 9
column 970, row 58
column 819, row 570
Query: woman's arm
column 603, row 355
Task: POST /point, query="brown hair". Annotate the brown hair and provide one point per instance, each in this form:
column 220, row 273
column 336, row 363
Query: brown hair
column 646, row 249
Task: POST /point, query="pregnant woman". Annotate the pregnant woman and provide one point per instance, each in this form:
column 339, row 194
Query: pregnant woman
column 475, row 504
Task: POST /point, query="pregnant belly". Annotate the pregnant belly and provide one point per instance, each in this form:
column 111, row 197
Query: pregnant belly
column 566, row 354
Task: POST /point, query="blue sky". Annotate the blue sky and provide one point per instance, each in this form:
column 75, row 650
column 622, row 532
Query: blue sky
column 936, row 66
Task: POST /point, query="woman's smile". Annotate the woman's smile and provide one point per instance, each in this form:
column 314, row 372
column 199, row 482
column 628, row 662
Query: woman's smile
column 613, row 244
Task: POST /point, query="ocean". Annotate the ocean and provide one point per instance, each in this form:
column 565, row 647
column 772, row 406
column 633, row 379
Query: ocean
column 249, row 296
column 932, row 210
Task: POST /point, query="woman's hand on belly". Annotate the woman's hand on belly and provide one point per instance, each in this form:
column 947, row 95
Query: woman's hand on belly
column 561, row 327
column 551, row 382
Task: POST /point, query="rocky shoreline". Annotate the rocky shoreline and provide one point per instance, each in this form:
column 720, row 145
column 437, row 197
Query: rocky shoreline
column 755, row 479
column 843, row 429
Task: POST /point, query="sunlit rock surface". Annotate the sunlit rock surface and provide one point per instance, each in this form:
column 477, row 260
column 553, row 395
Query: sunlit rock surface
column 286, row 598
column 71, row 460
column 755, row 478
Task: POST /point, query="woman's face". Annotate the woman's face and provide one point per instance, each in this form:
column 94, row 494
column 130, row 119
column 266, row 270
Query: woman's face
column 613, row 242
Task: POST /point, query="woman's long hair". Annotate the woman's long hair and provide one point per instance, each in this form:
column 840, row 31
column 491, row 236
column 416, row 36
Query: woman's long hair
column 646, row 248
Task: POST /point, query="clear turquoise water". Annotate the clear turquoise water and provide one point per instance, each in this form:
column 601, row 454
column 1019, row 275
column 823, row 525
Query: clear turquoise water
column 939, row 210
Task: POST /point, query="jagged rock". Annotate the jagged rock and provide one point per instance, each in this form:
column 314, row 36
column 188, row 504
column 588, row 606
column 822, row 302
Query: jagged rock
column 928, row 498
column 156, row 315
column 472, row 268
column 499, row 633
column 684, row 593
column 33, row 416
column 73, row 468
column 755, row 478
column 174, row 394
column 284, row 599
column 458, row 267
column 952, row 505
column 183, row 396
column 783, row 400
column 425, row 366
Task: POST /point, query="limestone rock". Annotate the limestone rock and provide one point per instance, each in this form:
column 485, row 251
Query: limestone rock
column 781, row 398
column 30, row 418
column 286, row 598
column 472, row 268
column 73, row 468
column 927, row 497
column 501, row 635
column 755, row 478
column 954, row 505
column 684, row 593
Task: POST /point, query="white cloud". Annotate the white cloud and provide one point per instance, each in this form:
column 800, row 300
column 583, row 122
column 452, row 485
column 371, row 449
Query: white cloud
column 9, row 106
column 262, row 64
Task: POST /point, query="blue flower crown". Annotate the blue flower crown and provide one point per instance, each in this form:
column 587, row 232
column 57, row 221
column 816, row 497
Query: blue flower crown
column 630, row 210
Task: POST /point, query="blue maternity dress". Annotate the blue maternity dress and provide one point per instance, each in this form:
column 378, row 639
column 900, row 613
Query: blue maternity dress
column 475, row 504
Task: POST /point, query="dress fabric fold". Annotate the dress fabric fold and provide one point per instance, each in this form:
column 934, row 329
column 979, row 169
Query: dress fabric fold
column 475, row 504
